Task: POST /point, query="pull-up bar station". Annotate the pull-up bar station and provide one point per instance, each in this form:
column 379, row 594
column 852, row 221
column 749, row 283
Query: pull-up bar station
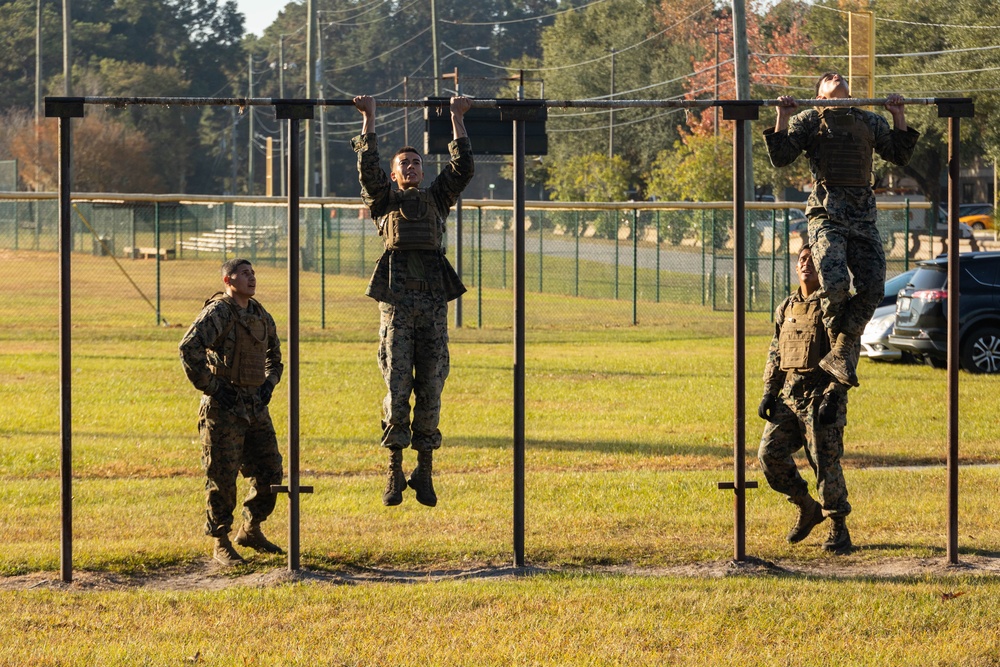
column 518, row 112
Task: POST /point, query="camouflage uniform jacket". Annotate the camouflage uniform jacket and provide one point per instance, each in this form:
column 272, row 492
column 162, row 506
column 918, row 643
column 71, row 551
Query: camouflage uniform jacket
column 395, row 266
column 197, row 353
column 840, row 202
column 793, row 384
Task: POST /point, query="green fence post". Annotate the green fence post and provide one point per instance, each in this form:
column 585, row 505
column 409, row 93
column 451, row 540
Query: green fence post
column 362, row 268
column 714, row 263
column 541, row 255
column 339, row 269
column 635, row 266
column 156, row 234
column 906, row 236
column 322, row 266
column 704, row 273
column 576, row 263
column 504, row 255
column 616, row 226
column 657, row 256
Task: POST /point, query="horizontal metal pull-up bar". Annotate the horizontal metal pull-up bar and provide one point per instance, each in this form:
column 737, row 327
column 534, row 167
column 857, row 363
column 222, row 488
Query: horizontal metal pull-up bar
column 489, row 103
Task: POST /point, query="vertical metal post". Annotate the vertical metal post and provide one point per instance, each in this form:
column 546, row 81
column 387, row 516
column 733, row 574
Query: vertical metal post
column 519, row 445
column 953, row 110
column 576, row 263
column 906, row 236
column 293, row 113
column 65, row 111
column 541, row 252
column 617, row 228
column 65, row 349
column 953, row 341
column 293, row 344
column 739, row 485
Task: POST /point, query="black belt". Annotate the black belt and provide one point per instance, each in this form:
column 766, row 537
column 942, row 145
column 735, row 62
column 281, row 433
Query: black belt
column 421, row 285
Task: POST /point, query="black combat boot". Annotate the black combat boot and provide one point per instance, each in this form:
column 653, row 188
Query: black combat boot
column 420, row 479
column 841, row 361
column 810, row 516
column 839, row 539
column 225, row 554
column 395, row 482
column 251, row 536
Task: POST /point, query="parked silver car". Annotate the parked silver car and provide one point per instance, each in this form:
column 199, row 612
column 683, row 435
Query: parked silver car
column 875, row 340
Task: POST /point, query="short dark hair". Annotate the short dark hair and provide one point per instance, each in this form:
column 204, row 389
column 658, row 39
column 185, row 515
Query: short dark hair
column 823, row 77
column 805, row 246
column 405, row 149
column 229, row 268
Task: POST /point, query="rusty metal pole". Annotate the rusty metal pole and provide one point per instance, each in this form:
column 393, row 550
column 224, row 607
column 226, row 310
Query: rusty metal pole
column 293, row 113
column 519, row 445
column 740, row 113
column 954, row 109
column 65, row 109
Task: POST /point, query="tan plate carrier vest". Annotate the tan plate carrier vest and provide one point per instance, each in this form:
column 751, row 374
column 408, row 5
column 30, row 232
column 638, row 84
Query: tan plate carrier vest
column 802, row 341
column 413, row 222
column 845, row 149
column 246, row 366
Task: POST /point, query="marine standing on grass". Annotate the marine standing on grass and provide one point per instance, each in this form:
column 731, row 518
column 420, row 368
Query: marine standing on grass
column 231, row 353
column 413, row 283
column 805, row 408
column 841, row 208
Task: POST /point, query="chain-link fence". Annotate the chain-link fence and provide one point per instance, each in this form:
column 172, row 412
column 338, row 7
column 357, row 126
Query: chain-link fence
column 640, row 260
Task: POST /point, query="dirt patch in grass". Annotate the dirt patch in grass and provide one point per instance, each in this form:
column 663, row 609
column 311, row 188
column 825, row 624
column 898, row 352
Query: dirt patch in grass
column 205, row 575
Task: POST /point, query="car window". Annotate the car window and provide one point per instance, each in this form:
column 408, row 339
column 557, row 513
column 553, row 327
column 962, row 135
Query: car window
column 982, row 273
column 896, row 283
column 930, row 277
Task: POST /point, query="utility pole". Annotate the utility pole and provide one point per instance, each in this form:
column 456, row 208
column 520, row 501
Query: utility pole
column 67, row 58
column 281, row 94
column 250, row 129
column 309, row 177
column 715, row 109
column 611, row 116
column 434, row 48
column 324, row 184
column 742, row 66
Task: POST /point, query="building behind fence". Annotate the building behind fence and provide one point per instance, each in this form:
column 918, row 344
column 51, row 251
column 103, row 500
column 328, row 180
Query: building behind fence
column 643, row 252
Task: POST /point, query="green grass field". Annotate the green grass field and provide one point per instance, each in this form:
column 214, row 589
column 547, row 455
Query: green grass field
column 628, row 430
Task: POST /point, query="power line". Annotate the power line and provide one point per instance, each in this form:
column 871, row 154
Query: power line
column 594, row 60
column 525, row 19
column 384, row 53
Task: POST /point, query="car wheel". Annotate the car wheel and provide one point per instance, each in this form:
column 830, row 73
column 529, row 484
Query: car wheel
column 981, row 351
column 978, row 226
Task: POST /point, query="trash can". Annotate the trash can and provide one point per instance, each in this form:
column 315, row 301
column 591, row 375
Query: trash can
column 103, row 246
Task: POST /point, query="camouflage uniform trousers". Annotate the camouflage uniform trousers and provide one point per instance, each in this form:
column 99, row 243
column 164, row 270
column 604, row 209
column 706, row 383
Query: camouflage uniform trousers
column 231, row 445
column 794, row 426
column 836, row 247
column 413, row 358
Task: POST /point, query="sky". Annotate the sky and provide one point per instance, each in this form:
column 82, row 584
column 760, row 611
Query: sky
column 260, row 13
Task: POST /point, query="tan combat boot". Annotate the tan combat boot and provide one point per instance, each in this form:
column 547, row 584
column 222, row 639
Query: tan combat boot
column 420, row 479
column 251, row 536
column 841, row 361
column 810, row 516
column 839, row 539
column 395, row 483
column 225, row 554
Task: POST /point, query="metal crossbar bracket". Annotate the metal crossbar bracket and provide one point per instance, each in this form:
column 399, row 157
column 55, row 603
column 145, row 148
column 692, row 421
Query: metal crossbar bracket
column 741, row 110
column 64, row 107
column 961, row 107
column 732, row 485
column 293, row 110
column 282, row 488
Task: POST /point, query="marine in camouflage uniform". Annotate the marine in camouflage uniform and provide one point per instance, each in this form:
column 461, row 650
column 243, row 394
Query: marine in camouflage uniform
column 841, row 207
column 805, row 408
column 232, row 354
column 413, row 283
